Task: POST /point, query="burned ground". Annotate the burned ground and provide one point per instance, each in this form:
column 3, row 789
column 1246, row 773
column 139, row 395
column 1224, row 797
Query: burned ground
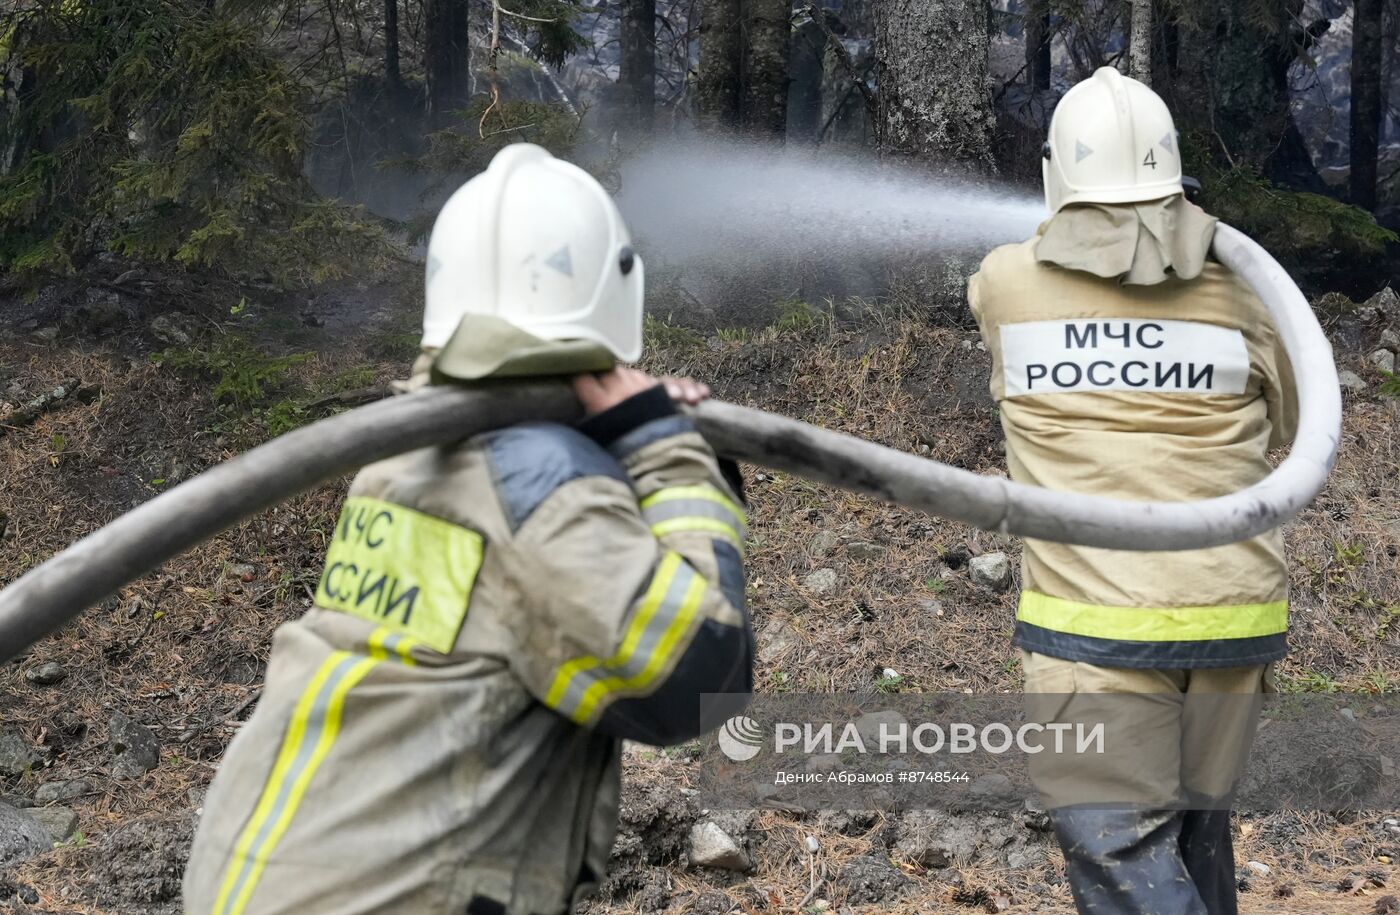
column 844, row 590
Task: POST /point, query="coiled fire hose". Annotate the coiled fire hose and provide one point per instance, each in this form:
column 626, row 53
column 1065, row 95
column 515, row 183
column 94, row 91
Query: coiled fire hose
column 84, row 574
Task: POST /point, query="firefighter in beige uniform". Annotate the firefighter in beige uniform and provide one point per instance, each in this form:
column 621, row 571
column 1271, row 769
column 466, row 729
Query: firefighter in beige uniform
column 442, row 731
column 1128, row 364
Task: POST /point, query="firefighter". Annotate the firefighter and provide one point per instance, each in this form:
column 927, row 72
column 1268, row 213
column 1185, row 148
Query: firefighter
column 1127, row 363
column 441, row 732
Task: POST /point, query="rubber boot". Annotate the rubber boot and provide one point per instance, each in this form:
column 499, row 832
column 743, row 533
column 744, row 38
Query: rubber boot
column 1209, row 854
column 1126, row 862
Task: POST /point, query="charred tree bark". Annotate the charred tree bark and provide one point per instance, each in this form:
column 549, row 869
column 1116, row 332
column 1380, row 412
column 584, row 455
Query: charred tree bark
column 1231, row 89
column 1037, row 28
column 637, row 70
column 1365, row 101
column 392, row 73
column 721, row 65
column 447, row 52
column 932, row 58
column 1140, row 46
column 766, row 74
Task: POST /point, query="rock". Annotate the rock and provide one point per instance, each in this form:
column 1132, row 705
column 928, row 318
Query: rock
column 870, row 879
column 774, row 641
column 889, row 673
column 932, row 607
column 62, row 791
column 869, row 725
column 823, row 543
column 994, row 791
column 821, row 581
column 243, row 571
column 1347, row 713
column 1385, row 302
column 21, row 836
column 1390, row 821
column 60, row 822
column 1350, row 381
column 1382, row 359
column 16, row 756
column 1258, row 868
column 171, row 329
column 103, row 310
column 991, row 570
column 711, row 846
column 135, row 750
column 864, row 550
column 46, row 674
column 1390, row 339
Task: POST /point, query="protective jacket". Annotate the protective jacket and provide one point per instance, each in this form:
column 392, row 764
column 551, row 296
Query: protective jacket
column 442, row 731
column 1173, row 392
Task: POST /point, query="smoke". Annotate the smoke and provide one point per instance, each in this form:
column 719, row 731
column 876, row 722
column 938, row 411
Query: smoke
column 742, row 204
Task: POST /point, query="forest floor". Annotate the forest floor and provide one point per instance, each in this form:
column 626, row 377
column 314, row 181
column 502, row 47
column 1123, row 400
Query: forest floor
column 181, row 652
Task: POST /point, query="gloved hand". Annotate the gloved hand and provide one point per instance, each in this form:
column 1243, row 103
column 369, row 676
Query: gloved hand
column 604, row 390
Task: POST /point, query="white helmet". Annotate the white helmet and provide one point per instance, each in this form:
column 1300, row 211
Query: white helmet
column 537, row 242
column 1112, row 140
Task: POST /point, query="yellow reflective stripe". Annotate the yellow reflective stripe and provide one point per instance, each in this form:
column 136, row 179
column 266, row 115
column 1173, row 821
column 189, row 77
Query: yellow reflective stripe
column 607, row 690
column 707, row 525
column 656, row 592
column 312, row 730
column 382, row 641
column 704, row 491
column 1153, row 624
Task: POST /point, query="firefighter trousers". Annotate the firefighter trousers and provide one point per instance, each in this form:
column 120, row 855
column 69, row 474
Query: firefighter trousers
column 1145, row 823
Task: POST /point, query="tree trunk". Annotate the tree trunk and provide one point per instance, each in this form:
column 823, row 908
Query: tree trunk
column 1231, row 87
column 637, row 70
column 1365, row 101
column 766, row 74
column 1037, row 29
column 392, row 74
column 446, row 48
column 1140, row 49
column 721, row 59
column 805, row 82
column 934, row 103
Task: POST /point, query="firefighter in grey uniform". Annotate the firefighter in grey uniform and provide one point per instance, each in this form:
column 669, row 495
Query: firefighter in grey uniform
column 442, row 731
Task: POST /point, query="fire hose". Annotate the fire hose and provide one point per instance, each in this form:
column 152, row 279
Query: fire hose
column 82, row 575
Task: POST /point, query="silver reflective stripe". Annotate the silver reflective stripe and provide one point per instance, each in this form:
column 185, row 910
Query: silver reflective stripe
column 635, row 663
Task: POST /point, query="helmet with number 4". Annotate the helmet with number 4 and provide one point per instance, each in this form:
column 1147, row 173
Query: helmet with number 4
column 1112, row 140
column 537, row 242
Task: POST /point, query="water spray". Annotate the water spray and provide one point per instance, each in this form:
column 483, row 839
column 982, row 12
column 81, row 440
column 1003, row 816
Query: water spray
column 734, row 203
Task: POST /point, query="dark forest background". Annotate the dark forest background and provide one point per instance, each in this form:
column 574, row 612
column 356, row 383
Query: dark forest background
column 294, row 140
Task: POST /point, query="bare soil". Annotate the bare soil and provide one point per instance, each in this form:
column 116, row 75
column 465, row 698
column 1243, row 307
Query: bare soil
column 182, row 650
